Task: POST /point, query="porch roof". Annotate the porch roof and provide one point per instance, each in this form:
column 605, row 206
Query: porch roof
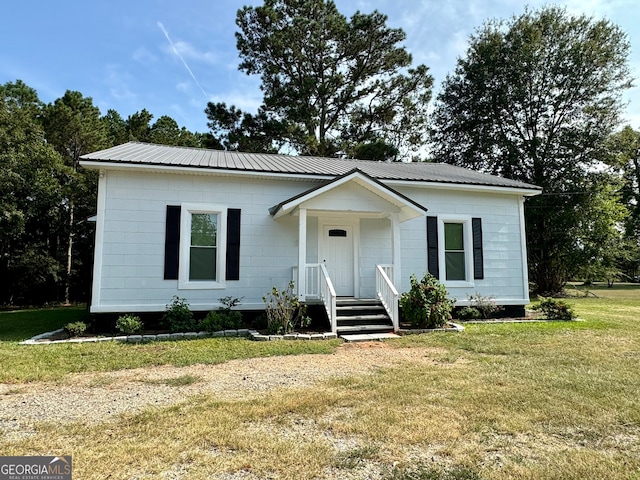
column 406, row 207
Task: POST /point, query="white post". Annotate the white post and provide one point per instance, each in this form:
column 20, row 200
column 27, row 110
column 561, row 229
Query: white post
column 396, row 248
column 302, row 254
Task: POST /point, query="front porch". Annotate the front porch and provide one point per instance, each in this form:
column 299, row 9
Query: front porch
column 350, row 315
column 349, row 247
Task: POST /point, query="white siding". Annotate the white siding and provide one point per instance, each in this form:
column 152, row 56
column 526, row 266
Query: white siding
column 504, row 274
column 130, row 260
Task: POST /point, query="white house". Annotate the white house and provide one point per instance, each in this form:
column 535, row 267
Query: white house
column 206, row 224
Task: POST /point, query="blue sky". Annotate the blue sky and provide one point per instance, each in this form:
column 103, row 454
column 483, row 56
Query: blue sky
column 172, row 57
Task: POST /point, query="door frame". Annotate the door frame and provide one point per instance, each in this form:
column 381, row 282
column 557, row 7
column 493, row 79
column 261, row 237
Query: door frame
column 354, row 223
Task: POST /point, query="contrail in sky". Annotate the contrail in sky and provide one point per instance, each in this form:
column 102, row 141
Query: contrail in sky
column 175, row 50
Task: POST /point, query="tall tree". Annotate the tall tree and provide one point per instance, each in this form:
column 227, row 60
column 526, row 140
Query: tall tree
column 73, row 127
column 625, row 150
column 30, row 200
column 334, row 82
column 534, row 99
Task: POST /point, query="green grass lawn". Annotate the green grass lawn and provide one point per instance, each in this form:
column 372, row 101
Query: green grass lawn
column 18, row 325
column 556, row 400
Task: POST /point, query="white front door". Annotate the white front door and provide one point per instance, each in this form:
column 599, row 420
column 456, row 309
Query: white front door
column 337, row 253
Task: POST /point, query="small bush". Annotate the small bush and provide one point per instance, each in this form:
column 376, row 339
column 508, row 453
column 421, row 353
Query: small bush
column 555, row 309
column 75, row 329
column 129, row 324
column 223, row 318
column 426, row 305
column 179, row 316
column 486, row 306
column 284, row 311
column 217, row 320
column 468, row 313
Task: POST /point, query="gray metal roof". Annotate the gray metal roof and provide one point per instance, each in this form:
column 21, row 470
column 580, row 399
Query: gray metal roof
column 145, row 154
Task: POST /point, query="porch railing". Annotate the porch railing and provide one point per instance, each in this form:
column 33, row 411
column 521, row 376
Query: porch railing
column 387, row 293
column 328, row 297
column 318, row 286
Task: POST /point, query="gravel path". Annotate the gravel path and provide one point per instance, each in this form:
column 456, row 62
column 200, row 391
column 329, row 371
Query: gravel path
column 99, row 397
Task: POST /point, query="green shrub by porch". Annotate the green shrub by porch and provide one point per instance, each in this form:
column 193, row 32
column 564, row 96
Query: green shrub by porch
column 426, row 304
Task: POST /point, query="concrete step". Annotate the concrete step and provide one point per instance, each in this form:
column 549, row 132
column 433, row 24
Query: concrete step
column 368, row 337
column 346, row 329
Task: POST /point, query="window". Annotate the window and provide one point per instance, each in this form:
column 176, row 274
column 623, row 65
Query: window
column 203, row 228
column 454, row 252
column 202, row 255
column 454, row 249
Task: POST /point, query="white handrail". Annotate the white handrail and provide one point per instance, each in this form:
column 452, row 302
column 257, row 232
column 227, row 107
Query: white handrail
column 328, row 296
column 387, row 293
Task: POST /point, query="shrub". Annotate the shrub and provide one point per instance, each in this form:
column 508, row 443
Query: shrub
column 426, row 304
column 75, row 329
column 284, row 311
column 178, row 316
column 129, row 324
column 555, row 309
column 486, row 306
column 223, row 318
column 468, row 313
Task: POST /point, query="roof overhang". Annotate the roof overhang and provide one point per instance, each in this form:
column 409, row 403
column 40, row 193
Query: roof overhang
column 406, row 208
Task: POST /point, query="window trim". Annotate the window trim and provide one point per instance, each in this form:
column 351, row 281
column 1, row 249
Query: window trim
column 187, row 209
column 467, row 233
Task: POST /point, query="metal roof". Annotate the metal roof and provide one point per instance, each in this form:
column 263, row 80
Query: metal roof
column 145, row 154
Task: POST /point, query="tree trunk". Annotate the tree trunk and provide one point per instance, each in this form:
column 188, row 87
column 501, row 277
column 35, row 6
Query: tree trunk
column 67, row 285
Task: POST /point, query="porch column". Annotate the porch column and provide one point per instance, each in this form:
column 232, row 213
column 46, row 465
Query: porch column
column 395, row 250
column 302, row 254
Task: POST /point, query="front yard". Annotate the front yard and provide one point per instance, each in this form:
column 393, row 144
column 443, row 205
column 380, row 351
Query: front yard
column 498, row 401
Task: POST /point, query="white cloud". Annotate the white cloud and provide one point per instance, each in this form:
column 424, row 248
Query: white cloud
column 192, row 53
column 143, row 55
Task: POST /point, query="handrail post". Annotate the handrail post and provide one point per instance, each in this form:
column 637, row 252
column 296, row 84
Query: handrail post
column 388, row 294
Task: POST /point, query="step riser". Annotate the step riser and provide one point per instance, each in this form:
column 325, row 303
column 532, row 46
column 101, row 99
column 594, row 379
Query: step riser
column 362, row 316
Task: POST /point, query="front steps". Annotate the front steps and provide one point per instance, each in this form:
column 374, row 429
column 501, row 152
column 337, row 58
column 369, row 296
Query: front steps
column 361, row 316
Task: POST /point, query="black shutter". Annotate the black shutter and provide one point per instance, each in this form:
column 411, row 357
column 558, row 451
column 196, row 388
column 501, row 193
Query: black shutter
column 172, row 243
column 432, row 246
column 478, row 259
column 233, row 244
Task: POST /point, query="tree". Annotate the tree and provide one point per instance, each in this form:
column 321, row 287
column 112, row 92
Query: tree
column 233, row 129
column 534, row 100
column 625, row 158
column 30, row 199
column 73, row 127
column 334, row 83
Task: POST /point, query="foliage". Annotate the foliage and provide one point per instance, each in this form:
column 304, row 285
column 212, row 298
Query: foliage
column 129, row 324
column 534, row 99
column 178, row 316
column 330, row 84
column 624, row 147
column 468, row 313
column 601, row 247
column 224, row 318
column 555, row 309
column 31, row 197
column 426, row 304
column 486, row 306
column 75, row 329
column 284, row 311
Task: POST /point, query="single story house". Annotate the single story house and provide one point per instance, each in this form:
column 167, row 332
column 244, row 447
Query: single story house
column 205, row 224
